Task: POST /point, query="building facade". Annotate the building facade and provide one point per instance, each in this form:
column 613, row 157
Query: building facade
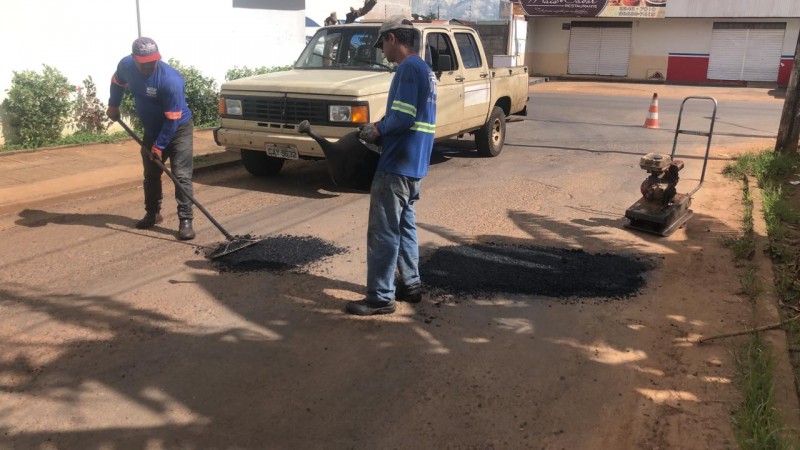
column 680, row 41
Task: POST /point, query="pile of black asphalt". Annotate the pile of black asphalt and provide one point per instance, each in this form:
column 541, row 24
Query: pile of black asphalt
column 486, row 269
column 277, row 253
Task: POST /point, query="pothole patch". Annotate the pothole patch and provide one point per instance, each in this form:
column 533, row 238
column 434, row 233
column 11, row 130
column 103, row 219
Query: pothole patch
column 482, row 270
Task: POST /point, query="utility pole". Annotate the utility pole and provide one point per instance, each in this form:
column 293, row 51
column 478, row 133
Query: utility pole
column 789, row 129
column 138, row 20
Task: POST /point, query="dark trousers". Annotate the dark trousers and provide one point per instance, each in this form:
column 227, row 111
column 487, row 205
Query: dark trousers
column 180, row 154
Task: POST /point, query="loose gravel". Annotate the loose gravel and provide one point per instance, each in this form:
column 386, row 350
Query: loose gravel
column 276, row 253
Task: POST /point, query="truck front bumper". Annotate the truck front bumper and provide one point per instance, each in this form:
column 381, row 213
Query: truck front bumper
column 257, row 140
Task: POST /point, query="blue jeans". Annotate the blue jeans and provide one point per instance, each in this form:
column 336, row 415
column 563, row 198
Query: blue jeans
column 391, row 235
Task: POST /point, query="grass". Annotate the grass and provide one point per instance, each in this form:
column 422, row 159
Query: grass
column 79, row 138
column 757, row 422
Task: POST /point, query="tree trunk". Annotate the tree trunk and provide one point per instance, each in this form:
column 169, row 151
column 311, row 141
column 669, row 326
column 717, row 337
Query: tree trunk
column 789, row 130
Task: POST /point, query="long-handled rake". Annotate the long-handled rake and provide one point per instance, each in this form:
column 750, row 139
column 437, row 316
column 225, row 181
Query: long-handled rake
column 234, row 243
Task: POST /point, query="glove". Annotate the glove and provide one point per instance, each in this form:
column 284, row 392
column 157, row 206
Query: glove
column 369, row 133
column 156, row 153
column 113, row 113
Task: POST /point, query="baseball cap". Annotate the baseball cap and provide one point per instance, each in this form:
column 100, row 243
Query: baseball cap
column 145, row 50
column 392, row 23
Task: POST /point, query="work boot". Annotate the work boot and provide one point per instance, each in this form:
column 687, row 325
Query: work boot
column 185, row 231
column 149, row 220
column 368, row 308
column 410, row 294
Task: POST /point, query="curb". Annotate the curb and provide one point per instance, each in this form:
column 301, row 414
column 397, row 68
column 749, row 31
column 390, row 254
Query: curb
column 767, row 310
column 217, row 160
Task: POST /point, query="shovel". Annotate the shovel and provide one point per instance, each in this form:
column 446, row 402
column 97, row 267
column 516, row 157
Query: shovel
column 234, row 243
column 351, row 163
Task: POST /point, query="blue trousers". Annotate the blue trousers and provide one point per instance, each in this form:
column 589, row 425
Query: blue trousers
column 391, row 235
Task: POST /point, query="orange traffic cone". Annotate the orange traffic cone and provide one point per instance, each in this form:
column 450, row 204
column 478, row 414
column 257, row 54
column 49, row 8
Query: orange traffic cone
column 652, row 115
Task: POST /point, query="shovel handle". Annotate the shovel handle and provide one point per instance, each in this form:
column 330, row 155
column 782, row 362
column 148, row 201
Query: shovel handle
column 175, row 181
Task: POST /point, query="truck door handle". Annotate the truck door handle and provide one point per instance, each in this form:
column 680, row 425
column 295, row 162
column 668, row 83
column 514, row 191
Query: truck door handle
column 484, row 75
column 459, row 78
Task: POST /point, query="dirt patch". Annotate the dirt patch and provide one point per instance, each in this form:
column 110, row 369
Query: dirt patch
column 277, row 253
column 486, row 269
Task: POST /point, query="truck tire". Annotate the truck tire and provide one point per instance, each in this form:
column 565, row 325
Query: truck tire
column 490, row 137
column 260, row 164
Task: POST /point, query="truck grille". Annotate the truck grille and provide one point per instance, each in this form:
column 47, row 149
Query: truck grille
column 284, row 110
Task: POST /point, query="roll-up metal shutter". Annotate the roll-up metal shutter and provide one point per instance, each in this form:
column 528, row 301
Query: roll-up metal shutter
column 746, row 51
column 599, row 48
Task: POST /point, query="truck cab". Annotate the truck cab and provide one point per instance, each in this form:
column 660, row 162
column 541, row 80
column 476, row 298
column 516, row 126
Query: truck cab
column 341, row 82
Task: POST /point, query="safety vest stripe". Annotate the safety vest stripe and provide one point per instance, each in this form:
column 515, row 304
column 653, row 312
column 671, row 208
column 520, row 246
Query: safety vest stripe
column 424, row 127
column 404, row 107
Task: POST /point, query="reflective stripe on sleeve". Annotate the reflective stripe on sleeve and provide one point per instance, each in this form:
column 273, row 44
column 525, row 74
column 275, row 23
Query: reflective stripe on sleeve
column 114, row 80
column 424, row 127
column 404, row 108
column 173, row 115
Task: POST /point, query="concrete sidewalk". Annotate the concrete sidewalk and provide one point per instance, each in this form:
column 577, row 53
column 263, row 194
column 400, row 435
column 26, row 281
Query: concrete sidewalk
column 49, row 175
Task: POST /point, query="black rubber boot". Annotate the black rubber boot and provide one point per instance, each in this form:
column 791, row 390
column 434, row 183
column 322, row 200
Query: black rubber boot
column 410, row 294
column 368, row 308
column 185, row 231
column 149, row 221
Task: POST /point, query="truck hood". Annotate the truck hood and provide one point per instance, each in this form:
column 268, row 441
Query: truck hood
column 350, row 83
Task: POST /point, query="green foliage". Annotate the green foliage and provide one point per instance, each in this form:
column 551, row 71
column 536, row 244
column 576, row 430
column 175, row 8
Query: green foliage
column 202, row 94
column 244, row 71
column 39, row 105
column 763, row 166
column 757, row 424
column 127, row 110
column 90, row 113
column 430, row 16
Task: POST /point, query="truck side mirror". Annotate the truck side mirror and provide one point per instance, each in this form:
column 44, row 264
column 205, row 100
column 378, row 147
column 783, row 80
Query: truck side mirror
column 445, row 63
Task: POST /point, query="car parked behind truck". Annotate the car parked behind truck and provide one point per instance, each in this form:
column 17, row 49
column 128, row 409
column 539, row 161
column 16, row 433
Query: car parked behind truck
column 341, row 82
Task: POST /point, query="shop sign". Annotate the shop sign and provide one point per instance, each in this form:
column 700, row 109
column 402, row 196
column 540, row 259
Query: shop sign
column 596, row 8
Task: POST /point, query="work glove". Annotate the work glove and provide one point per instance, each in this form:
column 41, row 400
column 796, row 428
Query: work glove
column 369, row 133
column 113, row 113
column 156, row 154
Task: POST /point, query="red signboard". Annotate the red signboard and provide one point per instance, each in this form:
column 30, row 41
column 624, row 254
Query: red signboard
column 596, row 8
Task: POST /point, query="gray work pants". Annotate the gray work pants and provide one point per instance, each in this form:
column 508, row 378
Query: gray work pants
column 180, row 154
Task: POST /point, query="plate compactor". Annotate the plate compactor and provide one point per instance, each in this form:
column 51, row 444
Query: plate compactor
column 662, row 210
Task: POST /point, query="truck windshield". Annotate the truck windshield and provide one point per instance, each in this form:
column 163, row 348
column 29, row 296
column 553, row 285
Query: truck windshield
column 348, row 48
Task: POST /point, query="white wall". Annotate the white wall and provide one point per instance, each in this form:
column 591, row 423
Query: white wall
column 88, row 37
column 733, row 8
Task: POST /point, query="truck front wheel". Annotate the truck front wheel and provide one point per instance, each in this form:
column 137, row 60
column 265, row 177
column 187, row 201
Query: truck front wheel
column 490, row 137
column 258, row 163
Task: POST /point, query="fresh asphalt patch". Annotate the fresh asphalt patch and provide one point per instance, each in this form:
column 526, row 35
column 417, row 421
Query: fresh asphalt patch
column 482, row 270
column 276, row 254
column 475, row 270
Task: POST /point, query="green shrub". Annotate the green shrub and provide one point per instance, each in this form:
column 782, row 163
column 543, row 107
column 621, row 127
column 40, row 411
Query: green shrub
column 39, row 105
column 202, row 94
column 127, row 109
column 90, row 113
column 244, row 71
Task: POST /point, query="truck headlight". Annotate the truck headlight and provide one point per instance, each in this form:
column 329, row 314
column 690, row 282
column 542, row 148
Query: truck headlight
column 349, row 114
column 233, row 107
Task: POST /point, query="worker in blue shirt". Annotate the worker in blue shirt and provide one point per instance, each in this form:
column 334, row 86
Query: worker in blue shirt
column 406, row 134
column 158, row 93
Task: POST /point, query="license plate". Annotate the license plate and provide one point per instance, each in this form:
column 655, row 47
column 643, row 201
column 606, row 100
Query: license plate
column 281, row 152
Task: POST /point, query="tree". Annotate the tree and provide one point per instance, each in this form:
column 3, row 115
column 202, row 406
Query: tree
column 789, row 129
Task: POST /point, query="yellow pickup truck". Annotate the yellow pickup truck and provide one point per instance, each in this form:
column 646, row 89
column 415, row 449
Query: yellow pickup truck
column 340, row 82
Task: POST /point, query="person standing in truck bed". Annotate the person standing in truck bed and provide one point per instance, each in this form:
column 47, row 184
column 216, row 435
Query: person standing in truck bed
column 406, row 134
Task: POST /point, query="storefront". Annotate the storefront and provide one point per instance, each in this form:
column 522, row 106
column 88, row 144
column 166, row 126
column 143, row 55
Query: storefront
column 654, row 40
